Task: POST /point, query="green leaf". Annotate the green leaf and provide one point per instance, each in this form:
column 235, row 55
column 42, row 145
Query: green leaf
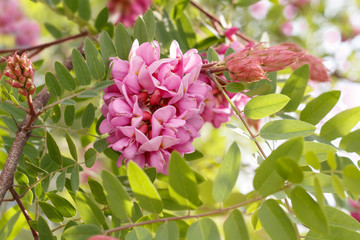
column 335, row 233
column 103, row 84
column 139, row 233
column 60, row 181
column 185, row 29
column 72, row 146
column 53, row 149
column 75, row 178
column 235, row 228
column 88, row 94
column 54, row 31
column 150, row 23
column 275, row 221
column 312, row 160
column 331, row 160
column 140, row 32
column 319, row 107
column 100, row 145
column 193, row 156
column 266, row 179
column 81, row 69
column 90, row 157
column 234, row 87
column 340, row 219
column 88, row 116
column 228, row 173
column 143, row 189
column 308, row 211
column 338, row 186
column 123, row 41
column 72, row 5
column 44, row 230
column 81, row 232
column 62, row 205
column 117, row 197
column 52, row 84
column 94, row 60
column 205, row 229
column 107, row 47
column 341, row 124
column 183, row 187
column 285, row 129
column 318, row 191
column 97, row 191
column 167, row 231
column 178, row 9
column 212, row 55
column 351, row 142
column 85, row 10
column 288, row 169
column 351, row 176
column 295, row 87
column 321, row 150
column 69, row 115
column 51, row 212
column 101, row 18
column 89, row 211
column 65, row 78
column 68, row 102
column 263, row 106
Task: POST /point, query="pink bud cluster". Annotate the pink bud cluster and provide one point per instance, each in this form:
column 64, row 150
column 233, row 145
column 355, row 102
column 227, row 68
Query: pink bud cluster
column 155, row 105
column 318, row 72
column 14, row 22
column 20, row 71
column 127, row 11
column 251, row 63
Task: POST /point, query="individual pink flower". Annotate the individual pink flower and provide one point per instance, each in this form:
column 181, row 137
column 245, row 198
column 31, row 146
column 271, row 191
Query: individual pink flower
column 259, row 9
column 27, row 33
column 128, row 10
column 20, row 71
column 154, row 106
column 355, row 212
column 290, row 11
column 287, row 28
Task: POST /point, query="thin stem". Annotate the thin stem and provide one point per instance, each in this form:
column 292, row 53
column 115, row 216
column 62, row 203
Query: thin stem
column 18, row 106
column 44, row 45
column 26, row 215
column 238, row 113
column 215, row 212
column 215, row 19
column 44, row 109
column 30, row 104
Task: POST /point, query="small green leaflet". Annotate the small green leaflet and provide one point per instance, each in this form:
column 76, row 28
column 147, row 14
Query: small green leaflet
column 52, row 84
column 88, row 116
column 53, row 148
column 285, row 129
column 107, row 47
column 94, row 60
column 81, row 232
column 101, row 18
column 62, row 205
column 81, row 69
column 69, row 115
column 140, row 31
column 167, row 231
column 123, row 41
column 72, row 146
column 51, row 212
column 265, row 105
column 65, row 78
column 234, row 227
column 205, row 229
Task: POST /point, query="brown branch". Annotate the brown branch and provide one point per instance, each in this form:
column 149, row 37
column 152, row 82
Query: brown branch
column 44, row 45
column 214, row 19
column 26, row 215
column 22, row 136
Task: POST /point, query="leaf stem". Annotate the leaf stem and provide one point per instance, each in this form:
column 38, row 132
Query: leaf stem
column 237, row 112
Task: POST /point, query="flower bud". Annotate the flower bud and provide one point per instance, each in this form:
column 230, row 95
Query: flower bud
column 21, row 73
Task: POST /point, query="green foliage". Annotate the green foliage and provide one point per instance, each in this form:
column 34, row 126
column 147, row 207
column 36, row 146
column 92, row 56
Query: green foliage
column 235, row 228
column 94, row 60
column 285, row 129
column 205, row 229
column 81, row 68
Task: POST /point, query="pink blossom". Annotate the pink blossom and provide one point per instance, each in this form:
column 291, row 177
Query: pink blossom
column 154, row 106
column 259, row 9
column 127, row 11
column 229, row 33
column 355, row 212
column 101, row 237
column 27, row 33
column 290, row 11
column 287, row 28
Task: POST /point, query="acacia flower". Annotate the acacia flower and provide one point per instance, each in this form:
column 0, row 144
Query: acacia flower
column 20, row 71
column 127, row 11
column 154, row 105
column 355, row 212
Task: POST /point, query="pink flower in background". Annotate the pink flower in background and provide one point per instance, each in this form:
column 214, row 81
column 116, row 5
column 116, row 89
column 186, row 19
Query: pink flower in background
column 290, row 11
column 259, row 9
column 318, row 72
column 355, row 212
column 154, row 105
column 127, row 11
column 13, row 22
column 287, row 28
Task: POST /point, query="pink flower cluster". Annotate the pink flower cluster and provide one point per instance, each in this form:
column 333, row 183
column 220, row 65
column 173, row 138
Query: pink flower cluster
column 127, row 11
column 14, row 22
column 155, row 105
column 355, row 212
column 251, row 63
column 20, row 71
